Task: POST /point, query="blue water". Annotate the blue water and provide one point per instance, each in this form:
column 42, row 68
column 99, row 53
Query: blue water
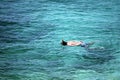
column 31, row 31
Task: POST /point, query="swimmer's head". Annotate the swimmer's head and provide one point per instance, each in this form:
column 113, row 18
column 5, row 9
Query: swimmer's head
column 64, row 43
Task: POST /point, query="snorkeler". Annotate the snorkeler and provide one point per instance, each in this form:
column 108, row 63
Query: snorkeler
column 82, row 44
column 76, row 43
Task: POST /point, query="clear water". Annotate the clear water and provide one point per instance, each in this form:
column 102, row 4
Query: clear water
column 31, row 31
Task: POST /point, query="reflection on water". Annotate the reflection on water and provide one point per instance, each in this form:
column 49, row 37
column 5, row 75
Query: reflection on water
column 31, row 31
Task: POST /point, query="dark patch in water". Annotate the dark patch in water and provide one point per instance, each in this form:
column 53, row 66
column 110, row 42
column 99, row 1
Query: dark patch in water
column 7, row 23
column 94, row 59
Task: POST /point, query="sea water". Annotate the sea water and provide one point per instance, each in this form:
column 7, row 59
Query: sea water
column 31, row 32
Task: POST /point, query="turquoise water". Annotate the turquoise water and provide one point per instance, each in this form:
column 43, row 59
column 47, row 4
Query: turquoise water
column 31, row 31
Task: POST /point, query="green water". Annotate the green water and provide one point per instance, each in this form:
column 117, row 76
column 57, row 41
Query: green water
column 31, row 31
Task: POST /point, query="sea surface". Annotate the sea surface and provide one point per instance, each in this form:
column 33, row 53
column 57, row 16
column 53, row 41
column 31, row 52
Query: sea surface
column 31, row 32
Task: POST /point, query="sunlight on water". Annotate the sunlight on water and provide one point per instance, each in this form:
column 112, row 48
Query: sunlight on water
column 31, row 31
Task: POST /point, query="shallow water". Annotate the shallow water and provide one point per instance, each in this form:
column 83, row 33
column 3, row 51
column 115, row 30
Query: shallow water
column 31, row 31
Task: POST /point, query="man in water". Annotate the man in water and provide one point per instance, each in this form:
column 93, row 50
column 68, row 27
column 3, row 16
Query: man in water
column 82, row 44
column 76, row 43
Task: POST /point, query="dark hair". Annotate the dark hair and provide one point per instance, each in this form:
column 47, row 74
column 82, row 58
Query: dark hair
column 64, row 43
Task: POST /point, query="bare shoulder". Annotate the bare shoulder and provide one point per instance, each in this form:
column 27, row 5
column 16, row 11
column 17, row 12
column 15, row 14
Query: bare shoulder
column 73, row 41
